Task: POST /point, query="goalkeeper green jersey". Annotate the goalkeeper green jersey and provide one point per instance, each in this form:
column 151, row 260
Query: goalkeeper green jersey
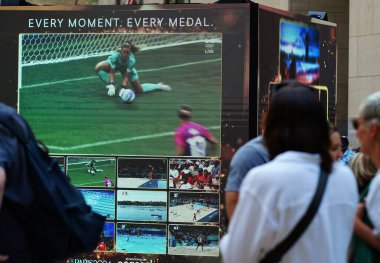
column 91, row 164
column 117, row 62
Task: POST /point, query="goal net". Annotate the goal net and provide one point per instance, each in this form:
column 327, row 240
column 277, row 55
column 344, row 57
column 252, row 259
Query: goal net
column 52, row 48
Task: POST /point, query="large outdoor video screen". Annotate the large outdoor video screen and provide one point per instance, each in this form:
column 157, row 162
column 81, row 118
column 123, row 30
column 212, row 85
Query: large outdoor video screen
column 57, row 73
column 69, row 72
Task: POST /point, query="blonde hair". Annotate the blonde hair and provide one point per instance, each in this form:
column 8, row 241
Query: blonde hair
column 363, row 169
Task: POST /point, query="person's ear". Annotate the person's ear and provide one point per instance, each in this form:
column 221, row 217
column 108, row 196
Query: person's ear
column 374, row 130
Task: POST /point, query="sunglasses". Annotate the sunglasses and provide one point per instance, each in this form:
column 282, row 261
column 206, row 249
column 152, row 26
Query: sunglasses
column 355, row 123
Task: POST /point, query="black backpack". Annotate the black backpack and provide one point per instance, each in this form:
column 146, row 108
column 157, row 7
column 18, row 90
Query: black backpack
column 58, row 223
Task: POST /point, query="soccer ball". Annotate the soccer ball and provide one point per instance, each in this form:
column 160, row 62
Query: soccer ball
column 127, row 95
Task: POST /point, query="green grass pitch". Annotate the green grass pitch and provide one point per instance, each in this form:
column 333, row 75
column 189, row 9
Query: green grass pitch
column 80, row 177
column 68, row 107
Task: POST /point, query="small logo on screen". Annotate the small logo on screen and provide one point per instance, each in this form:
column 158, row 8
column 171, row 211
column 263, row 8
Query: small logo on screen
column 209, row 47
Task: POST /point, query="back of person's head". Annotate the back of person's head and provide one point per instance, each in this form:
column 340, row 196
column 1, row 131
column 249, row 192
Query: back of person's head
column 363, row 169
column 275, row 87
column 185, row 112
column 370, row 109
column 297, row 121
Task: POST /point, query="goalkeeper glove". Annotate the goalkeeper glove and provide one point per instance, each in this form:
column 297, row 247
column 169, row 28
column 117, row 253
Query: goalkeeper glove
column 111, row 90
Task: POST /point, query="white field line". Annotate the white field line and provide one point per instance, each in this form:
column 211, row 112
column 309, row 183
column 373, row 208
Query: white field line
column 89, row 183
column 97, row 160
column 85, row 168
column 101, row 143
column 140, row 71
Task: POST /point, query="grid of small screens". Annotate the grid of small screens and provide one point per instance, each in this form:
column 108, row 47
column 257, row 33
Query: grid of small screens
column 152, row 205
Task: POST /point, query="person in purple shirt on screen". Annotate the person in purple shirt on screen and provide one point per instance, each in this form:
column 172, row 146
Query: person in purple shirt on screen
column 190, row 137
column 107, row 182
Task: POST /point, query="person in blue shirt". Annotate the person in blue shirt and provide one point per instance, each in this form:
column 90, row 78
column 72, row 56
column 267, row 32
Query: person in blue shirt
column 250, row 155
column 347, row 153
column 123, row 61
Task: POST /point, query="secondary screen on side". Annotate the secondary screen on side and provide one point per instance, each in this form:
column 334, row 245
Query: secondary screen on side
column 299, row 52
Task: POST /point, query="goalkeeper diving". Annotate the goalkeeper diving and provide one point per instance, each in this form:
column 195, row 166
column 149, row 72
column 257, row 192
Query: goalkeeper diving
column 124, row 61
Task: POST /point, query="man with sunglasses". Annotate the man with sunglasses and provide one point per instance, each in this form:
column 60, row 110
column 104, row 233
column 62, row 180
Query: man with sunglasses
column 367, row 127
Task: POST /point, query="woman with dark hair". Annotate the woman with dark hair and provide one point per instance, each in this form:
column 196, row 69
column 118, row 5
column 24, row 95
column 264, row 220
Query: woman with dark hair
column 275, row 195
column 335, row 146
column 124, row 61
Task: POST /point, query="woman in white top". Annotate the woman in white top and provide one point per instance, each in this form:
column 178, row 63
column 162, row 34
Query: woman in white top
column 275, row 196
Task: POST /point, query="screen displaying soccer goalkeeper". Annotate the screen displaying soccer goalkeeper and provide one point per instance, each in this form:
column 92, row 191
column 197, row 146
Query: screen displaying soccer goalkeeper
column 124, row 61
column 62, row 93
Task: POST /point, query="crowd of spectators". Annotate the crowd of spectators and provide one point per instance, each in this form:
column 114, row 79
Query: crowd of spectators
column 194, row 174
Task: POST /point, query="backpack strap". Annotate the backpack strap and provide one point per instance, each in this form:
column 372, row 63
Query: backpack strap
column 276, row 254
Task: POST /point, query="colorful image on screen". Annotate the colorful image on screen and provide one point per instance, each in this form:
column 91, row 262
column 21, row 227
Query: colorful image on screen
column 141, row 205
column 141, row 238
column 65, row 90
column 194, row 207
column 107, row 238
column 101, row 201
column 91, row 171
column 142, row 173
column 299, row 52
column 193, row 240
column 199, row 174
